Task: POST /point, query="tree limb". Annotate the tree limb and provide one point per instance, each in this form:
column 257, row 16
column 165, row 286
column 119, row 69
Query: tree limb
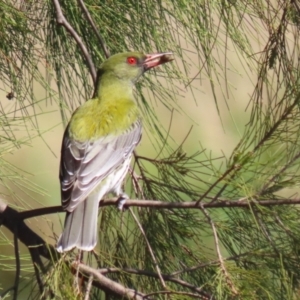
column 202, row 294
column 223, row 203
column 108, row 284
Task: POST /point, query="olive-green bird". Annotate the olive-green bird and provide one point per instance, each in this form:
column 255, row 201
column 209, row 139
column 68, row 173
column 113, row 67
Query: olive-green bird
column 98, row 144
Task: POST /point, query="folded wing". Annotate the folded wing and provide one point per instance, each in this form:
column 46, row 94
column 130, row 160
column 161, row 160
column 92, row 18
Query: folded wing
column 85, row 164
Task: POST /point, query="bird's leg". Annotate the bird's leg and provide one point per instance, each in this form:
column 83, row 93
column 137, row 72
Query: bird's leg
column 122, row 200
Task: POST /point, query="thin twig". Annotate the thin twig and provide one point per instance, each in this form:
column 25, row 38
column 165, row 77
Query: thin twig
column 18, row 263
column 167, row 136
column 146, row 181
column 176, row 280
column 149, row 248
column 215, row 183
column 92, row 23
column 210, row 263
column 259, row 145
column 88, row 288
column 220, row 257
column 60, row 18
column 108, row 284
column 25, row 234
column 135, row 182
column 243, row 203
column 38, row 279
column 3, row 294
column 273, row 178
column 174, row 293
column 76, row 282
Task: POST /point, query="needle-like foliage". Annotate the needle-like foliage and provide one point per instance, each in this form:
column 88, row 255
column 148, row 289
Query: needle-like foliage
column 231, row 230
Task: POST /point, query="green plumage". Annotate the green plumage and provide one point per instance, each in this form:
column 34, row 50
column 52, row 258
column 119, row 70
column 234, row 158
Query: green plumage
column 113, row 109
column 97, row 118
column 98, row 144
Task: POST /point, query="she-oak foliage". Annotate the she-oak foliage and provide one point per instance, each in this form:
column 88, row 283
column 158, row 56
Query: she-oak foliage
column 239, row 249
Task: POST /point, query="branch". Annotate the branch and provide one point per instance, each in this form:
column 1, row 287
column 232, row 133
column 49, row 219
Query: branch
column 37, row 247
column 18, row 263
column 210, row 263
column 108, row 284
column 92, row 23
column 216, row 183
column 10, row 217
column 234, row 169
column 173, row 293
column 88, row 288
column 239, row 203
column 63, row 21
column 202, row 294
column 149, row 248
column 220, row 257
column 14, row 221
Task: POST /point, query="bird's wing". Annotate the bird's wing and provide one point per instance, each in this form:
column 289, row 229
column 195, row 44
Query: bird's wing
column 84, row 164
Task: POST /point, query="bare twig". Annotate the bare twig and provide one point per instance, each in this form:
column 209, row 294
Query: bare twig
column 108, row 284
column 167, row 136
column 234, row 169
column 176, row 280
column 210, row 263
column 149, row 248
column 141, row 169
column 90, row 19
column 243, row 203
column 215, row 183
column 273, row 178
column 3, row 294
column 220, row 257
column 18, row 264
column 135, row 182
column 11, row 218
column 76, row 281
column 63, row 21
column 197, row 296
column 37, row 272
column 88, row 288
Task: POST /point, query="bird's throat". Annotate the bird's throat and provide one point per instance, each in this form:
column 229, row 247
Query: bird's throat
column 112, row 111
column 110, row 86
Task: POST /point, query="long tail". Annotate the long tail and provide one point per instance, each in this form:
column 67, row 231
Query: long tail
column 81, row 226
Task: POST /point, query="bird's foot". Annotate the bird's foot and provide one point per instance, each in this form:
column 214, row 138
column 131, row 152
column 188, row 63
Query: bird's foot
column 121, row 201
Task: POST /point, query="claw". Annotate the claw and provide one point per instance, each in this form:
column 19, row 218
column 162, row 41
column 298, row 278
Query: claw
column 121, row 201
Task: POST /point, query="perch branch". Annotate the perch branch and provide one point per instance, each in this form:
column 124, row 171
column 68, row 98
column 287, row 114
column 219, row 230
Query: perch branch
column 239, row 203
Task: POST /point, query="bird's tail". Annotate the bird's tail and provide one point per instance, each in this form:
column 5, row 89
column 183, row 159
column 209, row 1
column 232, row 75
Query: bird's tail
column 80, row 228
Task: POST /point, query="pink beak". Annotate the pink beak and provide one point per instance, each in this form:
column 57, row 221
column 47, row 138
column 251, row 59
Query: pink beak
column 156, row 59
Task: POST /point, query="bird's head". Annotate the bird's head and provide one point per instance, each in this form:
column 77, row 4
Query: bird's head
column 131, row 65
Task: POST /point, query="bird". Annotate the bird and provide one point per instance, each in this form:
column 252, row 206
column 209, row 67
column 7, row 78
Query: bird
column 98, row 144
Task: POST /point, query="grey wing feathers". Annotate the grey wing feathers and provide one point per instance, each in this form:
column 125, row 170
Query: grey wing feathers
column 85, row 164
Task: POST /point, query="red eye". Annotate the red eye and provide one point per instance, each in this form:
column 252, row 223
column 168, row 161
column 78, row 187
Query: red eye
column 132, row 60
